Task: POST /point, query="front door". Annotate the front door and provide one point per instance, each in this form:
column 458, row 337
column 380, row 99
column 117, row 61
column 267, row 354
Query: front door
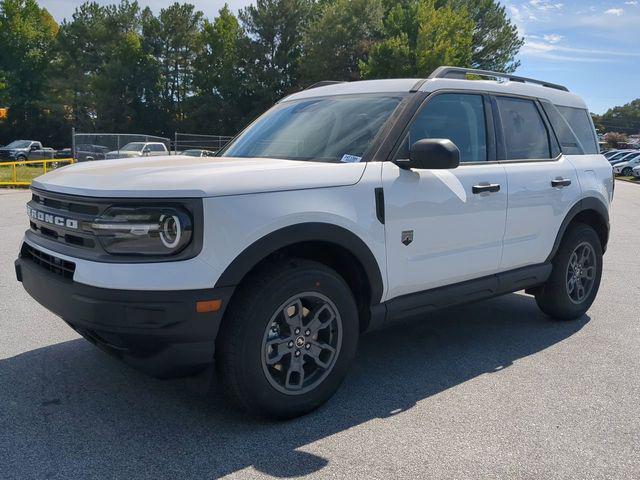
column 445, row 226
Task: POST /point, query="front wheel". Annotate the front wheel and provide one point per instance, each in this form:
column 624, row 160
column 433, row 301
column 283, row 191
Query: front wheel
column 287, row 339
column 574, row 281
column 626, row 172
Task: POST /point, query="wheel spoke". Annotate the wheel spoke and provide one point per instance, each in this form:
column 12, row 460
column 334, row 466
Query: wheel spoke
column 586, row 253
column 571, row 285
column 295, row 374
column 293, row 319
column 589, row 273
column 316, row 349
column 573, row 260
column 322, row 318
column 281, row 348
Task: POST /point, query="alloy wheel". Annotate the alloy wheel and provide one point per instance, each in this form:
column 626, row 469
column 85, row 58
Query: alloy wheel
column 301, row 343
column 581, row 272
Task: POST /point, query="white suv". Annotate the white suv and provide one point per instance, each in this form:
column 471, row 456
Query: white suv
column 344, row 207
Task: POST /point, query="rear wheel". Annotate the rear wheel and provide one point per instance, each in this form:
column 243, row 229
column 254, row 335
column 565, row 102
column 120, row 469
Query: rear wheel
column 575, row 278
column 287, row 339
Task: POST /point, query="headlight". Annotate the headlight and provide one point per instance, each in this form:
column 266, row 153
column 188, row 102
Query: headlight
column 143, row 230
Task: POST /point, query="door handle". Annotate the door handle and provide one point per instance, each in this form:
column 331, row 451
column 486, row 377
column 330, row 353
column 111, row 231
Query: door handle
column 489, row 187
column 560, row 182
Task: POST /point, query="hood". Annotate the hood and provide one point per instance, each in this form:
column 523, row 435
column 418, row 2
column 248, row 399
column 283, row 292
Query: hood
column 184, row 176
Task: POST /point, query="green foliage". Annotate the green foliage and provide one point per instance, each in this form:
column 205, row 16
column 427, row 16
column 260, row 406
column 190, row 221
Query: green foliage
column 624, row 119
column 445, row 37
column 27, row 35
column 340, row 37
column 419, row 38
column 122, row 68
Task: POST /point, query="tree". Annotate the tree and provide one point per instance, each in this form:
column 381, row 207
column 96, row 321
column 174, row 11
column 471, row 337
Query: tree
column 275, row 28
column 614, row 139
column 625, row 118
column 27, row 35
column 223, row 92
column 419, row 38
column 445, row 37
column 340, row 38
column 496, row 41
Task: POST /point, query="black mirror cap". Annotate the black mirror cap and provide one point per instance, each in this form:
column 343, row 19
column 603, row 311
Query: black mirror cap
column 433, row 153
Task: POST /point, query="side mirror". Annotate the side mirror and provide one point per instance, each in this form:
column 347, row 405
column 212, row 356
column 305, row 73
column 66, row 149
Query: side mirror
column 432, row 153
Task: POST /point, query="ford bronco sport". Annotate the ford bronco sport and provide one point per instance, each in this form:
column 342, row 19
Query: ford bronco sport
column 342, row 208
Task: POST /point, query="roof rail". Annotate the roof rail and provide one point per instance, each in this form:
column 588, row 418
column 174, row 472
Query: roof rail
column 461, row 73
column 323, row 83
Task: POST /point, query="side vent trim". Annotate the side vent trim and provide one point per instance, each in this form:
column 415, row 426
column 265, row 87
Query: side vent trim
column 379, row 194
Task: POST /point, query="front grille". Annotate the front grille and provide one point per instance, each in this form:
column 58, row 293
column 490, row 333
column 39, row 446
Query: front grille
column 50, row 206
column 56, row 265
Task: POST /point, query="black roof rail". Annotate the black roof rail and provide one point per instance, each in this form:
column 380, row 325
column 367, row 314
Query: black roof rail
column 461, row 73
column 323, row 83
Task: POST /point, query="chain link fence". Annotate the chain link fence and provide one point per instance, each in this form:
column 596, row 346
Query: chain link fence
column 101, row 146
column 191, row 143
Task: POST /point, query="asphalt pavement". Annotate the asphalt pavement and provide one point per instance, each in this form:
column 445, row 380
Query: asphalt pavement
column 489, row 390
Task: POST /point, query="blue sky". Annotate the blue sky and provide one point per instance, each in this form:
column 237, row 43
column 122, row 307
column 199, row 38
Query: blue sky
column 592, row 47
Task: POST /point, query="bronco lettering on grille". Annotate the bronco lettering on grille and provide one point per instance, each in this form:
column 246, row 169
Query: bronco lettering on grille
column 52, row 219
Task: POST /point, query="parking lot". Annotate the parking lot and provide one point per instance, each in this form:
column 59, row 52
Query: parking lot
column 489, row 390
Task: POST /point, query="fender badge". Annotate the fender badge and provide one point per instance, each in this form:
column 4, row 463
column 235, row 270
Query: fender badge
column 407, row 237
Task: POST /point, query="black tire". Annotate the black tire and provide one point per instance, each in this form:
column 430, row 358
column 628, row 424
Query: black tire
column 21, row 158
column 626, row 172
column 242, row 354
column 557, row 298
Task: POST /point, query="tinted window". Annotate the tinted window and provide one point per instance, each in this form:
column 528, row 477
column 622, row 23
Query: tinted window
column 524, row 130
column 157, row 148
column 568, row 139
column 458, row 117
column 580, row 122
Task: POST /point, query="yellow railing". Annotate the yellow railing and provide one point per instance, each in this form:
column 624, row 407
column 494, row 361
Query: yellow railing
column 22, row 169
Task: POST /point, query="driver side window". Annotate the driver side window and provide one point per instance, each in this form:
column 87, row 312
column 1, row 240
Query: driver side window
column 460, row 117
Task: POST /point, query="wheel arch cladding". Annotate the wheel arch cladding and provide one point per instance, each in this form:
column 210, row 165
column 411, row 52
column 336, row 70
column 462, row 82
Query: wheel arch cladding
column 590, row 211
column 334, row 246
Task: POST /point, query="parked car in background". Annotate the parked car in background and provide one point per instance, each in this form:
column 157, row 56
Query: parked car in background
column 610, row 153
column 64, row 153
column 20, row 150
column 198, row 153
column 139, row 149
column 87, row 152
column 627, row 155
column 618, row 156
column 624, row 168
column 636, row 172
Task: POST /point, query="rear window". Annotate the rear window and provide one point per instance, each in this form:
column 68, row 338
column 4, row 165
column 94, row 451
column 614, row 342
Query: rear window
column 581, row 124
column 525, row 134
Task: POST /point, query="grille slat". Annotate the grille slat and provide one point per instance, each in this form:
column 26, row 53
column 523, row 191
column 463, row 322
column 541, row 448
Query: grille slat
column 56, row 265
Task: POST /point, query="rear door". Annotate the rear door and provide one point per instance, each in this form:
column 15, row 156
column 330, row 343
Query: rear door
column 445, row 226
column 543, row 184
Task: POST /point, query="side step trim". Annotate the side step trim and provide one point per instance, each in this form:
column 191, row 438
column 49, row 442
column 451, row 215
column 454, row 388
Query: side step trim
column 420, row 303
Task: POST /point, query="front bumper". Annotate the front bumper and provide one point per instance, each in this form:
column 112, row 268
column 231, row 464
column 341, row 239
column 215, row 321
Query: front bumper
column 159, row 332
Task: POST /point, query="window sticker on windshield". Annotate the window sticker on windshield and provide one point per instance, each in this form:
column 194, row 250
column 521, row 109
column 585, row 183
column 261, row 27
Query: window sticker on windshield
column 346, row 158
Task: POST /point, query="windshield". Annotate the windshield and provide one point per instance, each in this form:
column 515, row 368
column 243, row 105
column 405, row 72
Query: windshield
column 329, row 129
column 19, row 144
column 132, row 147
